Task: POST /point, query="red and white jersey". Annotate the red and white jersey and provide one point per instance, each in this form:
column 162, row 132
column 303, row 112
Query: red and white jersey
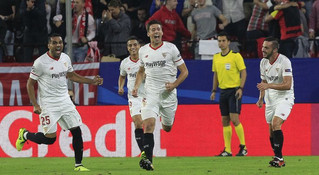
column 160, row 65
column 129, row 68
column 274, row 73
column 50, row 73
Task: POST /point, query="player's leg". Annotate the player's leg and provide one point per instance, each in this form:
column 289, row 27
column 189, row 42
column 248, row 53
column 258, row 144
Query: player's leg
column 168, row 111
column 135, row 105
column 48, row 123
column 139, row 133
column 282, row 112
column 71, row 121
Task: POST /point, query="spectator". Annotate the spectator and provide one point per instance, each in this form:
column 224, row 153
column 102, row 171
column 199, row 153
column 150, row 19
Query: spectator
column 234, row 12
column 257, row 26
column 204, row 18
column 115, row 27
column 83, row 30
column 314, row 24
column 157, row 4
column 138, row 26
column 290, row 26
column 171, row 22
column 7, row 13
column 35, row 29
column 248, row 8
column 59, row 25
column 98, row 7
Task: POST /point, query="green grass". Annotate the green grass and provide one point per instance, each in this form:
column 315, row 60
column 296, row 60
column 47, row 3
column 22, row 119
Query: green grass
column 299, row 165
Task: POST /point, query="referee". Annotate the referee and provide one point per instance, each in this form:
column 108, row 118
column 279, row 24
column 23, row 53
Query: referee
column 230, row 76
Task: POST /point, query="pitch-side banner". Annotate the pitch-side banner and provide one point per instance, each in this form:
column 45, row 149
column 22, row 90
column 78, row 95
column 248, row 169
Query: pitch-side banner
column 13, row 81
column 108, row 131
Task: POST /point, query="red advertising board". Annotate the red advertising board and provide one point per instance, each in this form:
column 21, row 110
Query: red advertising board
column 197, row 131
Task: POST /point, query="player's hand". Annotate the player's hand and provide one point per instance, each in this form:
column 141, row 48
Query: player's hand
column 262, row 86
column 97, row 80
column 260, row 103
column 134, row 92
column 170, row 86
column 212, row 96
column 37, row 109
column 120, row 91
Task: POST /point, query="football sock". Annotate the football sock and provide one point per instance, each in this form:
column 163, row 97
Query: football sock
column 272, row 143
column 139, row 137
column 227, row 131
column 278, row 143
column 149, row 145
column 77, row 143
column 240, row 133
column 39, row 138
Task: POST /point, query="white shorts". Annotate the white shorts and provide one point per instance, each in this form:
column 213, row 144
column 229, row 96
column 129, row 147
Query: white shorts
column 135, row 104
column 282, row 110
column 163, row 105
column 67, row 120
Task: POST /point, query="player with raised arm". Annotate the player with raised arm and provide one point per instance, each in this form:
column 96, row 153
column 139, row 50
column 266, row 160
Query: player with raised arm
column 159, row 61
column 51, row 71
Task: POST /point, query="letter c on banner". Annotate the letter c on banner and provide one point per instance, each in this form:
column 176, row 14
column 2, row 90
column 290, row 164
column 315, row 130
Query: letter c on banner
column 5, row 125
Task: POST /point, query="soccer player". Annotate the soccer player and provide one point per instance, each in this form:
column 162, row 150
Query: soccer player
column 128, row 68
column 230, row 76
column 160, row 61
column 51, row 71
column 276, row 88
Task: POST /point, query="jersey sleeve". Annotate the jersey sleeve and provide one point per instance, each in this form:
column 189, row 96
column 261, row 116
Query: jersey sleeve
column 70, row 67
column 122, row 69
column 177, row 58
column 287, row 69
column 240, row 62
column 36, row 70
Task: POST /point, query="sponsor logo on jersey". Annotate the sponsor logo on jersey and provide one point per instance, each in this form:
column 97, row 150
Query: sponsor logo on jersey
column 227, row 66
column 133, row 75
column 156, row 64
column 61, row 74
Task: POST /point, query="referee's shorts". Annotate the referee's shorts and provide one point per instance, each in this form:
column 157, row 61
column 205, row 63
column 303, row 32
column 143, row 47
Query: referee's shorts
column 228, row 102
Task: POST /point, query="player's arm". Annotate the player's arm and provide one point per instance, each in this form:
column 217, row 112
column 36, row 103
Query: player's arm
column 260, row 101
column 181, row 77
column 285, row 85
column 138, row 80
column 243, row 76
column 30, row 88
column 97, row 80
column 121, row 83
column 215, row 84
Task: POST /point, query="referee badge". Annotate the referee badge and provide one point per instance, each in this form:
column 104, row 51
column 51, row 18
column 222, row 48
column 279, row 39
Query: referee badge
column 227, row 66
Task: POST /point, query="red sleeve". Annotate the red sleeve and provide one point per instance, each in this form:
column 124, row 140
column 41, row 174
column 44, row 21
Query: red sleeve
column 181, row 28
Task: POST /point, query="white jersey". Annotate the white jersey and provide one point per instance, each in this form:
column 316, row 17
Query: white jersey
column 274, row 73
column 52, row 83
column 129, row 68
column 160, row 65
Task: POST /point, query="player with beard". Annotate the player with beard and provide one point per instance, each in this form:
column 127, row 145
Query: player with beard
column 51, row 71
column 276, row 88
column 159, row 61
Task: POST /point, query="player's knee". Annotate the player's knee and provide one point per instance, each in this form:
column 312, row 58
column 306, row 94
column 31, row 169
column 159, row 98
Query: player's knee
column 166, row 128
column 50, row 141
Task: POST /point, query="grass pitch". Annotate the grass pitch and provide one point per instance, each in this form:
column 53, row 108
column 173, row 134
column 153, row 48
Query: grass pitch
column 299, row 165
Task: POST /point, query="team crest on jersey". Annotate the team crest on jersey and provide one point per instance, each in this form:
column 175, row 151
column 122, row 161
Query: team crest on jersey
column 66, row 64
column 164, row 54
column 277, row 69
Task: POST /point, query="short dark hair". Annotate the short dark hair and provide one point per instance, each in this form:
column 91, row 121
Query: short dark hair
column 274, row 42
column 115, row 3
column 151, row 23
column 133, row 38
column 223, row 33
column 53, row 35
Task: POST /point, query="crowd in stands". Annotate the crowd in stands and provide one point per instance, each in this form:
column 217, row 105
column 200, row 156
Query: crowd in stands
column 107, row 24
